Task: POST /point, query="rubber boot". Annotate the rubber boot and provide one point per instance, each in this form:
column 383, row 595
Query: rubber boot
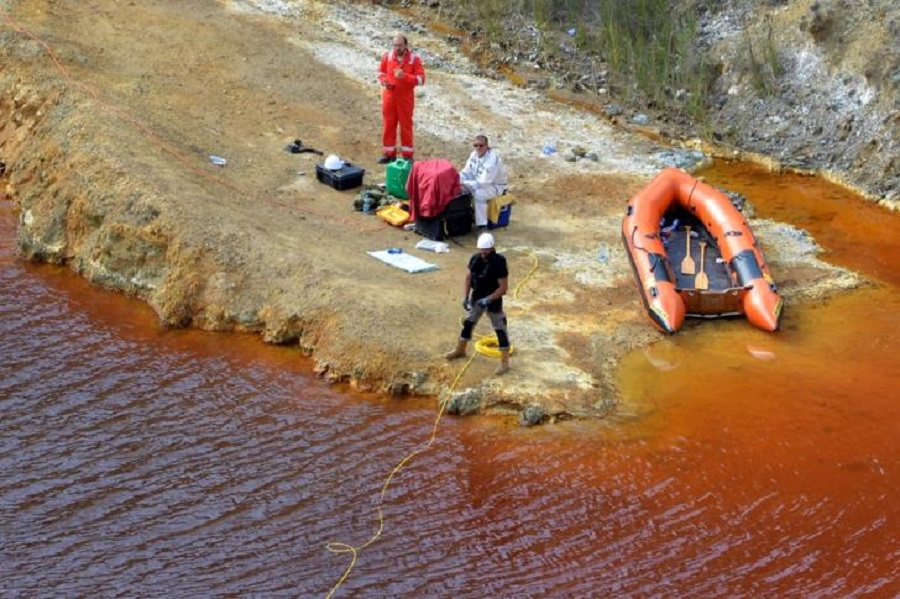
column 459, row 352
column 503, row 368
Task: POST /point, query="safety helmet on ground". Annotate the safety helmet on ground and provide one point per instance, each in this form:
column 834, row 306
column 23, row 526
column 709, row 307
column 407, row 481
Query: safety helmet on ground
column 485, row 241
column 333, row 163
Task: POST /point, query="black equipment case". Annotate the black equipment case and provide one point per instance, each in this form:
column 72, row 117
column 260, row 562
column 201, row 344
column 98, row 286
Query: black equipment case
column 346, row 177
column 455, row 220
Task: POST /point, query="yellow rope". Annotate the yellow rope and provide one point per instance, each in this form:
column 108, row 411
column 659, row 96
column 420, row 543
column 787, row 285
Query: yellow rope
column 490, row 346
column 486, row 346
column 338, row 547
column 530, row 272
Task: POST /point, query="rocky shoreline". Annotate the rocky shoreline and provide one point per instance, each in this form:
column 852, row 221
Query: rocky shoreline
column 107, row 149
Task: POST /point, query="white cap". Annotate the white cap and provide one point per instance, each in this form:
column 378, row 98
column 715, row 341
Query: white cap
column 333, row 163
column 485, row 241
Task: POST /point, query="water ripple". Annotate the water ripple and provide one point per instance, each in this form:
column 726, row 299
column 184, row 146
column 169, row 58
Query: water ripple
column 140, row 463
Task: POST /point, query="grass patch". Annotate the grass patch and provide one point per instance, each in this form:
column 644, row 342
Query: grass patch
column 763, row 61
column 646, row 45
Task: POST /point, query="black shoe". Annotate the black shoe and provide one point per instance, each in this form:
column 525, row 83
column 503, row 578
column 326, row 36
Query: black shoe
column 385, row 159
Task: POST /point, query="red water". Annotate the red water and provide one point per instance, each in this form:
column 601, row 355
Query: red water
column 137, row 461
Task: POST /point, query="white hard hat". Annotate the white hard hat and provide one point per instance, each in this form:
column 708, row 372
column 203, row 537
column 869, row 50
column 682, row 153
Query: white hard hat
column 485, row 241
column 333, row 163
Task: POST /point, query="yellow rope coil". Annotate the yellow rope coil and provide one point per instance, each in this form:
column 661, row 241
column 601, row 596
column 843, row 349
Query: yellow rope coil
column 489, row 346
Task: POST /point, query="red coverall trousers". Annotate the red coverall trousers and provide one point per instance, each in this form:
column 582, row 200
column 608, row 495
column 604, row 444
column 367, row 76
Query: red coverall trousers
column 397, row 107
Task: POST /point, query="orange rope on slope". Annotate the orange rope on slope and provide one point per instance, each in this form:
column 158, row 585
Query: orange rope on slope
column 162, row 144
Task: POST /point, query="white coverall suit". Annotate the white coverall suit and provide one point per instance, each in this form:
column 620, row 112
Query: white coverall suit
column 485, row 177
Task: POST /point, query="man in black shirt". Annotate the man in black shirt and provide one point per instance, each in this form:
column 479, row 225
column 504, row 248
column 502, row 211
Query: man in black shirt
column 486, row 283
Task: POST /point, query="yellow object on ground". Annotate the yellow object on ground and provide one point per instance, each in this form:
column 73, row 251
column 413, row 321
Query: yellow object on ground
column 494, row 206
column 393, row 214
column 489, row 346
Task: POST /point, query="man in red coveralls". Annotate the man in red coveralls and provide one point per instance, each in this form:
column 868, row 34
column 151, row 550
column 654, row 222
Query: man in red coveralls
column 399, row 74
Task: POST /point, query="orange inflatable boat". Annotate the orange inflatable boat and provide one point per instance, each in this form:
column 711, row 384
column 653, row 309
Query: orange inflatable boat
column 694, row 255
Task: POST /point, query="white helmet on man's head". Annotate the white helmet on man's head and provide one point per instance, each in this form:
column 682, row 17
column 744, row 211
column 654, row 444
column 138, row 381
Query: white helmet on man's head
column 334, row 163
column 485, row 241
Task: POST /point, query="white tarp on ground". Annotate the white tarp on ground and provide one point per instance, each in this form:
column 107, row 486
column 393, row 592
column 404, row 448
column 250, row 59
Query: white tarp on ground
column 403, row 261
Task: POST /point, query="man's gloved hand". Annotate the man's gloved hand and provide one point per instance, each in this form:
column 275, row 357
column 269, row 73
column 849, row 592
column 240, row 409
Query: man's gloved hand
column 467, row 305
column 484, row 302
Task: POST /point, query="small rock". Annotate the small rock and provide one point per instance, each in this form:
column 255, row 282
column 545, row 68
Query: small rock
column 466, row 403
column 398, row 389
column 532, row 415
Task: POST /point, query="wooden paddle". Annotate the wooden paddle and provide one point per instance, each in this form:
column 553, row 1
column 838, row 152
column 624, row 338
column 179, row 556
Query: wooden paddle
column 687, row 265
column 702, row 281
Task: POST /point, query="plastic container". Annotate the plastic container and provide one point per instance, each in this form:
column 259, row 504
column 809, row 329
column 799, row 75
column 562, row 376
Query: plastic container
column 454, row 221
column 502, row 218
column 397, row 173
column 346, row 177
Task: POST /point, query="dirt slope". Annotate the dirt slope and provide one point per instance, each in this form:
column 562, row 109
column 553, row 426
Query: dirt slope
column 111, row 111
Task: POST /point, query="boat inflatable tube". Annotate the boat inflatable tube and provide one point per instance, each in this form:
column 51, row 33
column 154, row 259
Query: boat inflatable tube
column 747, row 286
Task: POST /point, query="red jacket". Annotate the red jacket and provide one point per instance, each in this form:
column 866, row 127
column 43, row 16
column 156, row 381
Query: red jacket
column 413, row 72
column 430, row 186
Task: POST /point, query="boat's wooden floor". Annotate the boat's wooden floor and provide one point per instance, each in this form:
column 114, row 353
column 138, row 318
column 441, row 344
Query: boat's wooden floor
column 718, row 276
column 721, row 298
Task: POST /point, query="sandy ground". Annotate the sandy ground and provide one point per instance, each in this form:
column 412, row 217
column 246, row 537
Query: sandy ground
column 113, row 110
